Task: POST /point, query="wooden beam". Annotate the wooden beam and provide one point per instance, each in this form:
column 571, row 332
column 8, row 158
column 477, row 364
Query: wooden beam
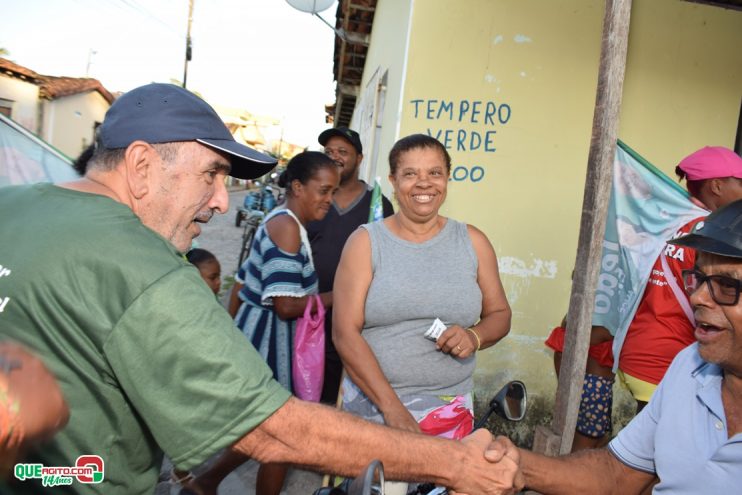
column 338, row 108
column 354, row 38
column 592, row 226
column 339, row 77
column 365, row 8
column 348, row 89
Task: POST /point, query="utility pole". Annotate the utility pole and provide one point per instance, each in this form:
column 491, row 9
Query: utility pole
column 91, row 52
column 280, row 143
column 558, row 439
column 188, row 42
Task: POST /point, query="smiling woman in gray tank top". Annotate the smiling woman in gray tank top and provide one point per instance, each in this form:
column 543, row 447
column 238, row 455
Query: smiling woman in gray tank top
column 396, row 277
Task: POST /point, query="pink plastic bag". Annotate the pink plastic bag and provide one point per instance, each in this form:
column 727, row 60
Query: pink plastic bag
column 308, row 363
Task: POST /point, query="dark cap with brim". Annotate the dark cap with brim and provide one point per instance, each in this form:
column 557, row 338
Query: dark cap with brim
column 720, row 233
column 348, row 134
column 165, row 113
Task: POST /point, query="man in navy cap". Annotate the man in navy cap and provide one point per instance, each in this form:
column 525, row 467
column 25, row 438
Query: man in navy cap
column 688, row 439
column 94, row 281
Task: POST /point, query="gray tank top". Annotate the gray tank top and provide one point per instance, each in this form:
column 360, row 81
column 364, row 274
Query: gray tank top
column 412, row 285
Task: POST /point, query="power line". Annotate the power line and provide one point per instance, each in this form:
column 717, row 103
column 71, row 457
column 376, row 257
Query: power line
column 132, row 6
column 143, row 11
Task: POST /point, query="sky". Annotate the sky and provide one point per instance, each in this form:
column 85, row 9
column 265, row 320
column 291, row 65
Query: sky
column 262, row 56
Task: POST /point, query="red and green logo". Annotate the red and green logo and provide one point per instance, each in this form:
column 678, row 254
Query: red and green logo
column 94, row 462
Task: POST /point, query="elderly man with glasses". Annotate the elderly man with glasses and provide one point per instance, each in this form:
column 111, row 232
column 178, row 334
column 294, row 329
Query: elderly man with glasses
column 688, row 440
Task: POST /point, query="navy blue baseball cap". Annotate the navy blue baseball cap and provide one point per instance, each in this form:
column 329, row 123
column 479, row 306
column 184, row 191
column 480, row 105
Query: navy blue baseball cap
column 719, row 233
column 165, row 113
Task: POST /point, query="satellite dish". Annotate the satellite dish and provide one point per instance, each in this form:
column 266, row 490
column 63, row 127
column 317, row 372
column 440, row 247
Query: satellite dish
column 311, row 6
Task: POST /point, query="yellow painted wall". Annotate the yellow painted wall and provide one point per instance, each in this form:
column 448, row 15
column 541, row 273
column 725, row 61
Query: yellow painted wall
column 386, row 55
column 684, row 79
column 535, row 63
column 532, row 66
column 69, row 121
column 25, row 97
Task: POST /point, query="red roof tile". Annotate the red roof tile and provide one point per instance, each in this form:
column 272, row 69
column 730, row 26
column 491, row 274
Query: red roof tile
column 52, row 87
column 15, row 70
column 56, row 87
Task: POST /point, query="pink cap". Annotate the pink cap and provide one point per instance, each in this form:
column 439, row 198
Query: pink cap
column 711, row 162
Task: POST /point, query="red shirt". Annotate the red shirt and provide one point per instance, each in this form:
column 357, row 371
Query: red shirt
column 660, row 328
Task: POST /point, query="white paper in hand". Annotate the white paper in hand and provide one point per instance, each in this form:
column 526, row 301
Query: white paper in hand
column 435, row 330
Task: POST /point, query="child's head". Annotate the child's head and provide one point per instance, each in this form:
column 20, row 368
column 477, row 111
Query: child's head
column 208, row 266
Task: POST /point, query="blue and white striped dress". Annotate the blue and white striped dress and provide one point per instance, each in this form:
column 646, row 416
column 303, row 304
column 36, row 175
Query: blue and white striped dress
column 267, row 273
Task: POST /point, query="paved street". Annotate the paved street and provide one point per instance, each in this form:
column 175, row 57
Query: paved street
column 221, row 237
column 242, row 482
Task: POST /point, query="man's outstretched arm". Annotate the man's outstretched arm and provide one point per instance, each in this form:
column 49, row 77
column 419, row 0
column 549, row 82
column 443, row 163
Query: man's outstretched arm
column 326, row 440
column 587, row 471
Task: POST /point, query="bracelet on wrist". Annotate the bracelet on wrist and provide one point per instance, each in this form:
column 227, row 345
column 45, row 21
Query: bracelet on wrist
column 476, row 336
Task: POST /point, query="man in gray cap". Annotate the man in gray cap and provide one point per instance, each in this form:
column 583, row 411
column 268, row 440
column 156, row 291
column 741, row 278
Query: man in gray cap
column 688, row 439
column 92, row 278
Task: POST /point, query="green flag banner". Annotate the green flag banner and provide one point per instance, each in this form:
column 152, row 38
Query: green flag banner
column 376, row 210
column 646, row 208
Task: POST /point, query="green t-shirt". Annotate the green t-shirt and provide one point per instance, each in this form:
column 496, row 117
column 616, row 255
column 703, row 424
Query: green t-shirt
column 144, row 354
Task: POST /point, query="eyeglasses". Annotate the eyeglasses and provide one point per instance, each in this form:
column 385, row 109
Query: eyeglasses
column 724, row 290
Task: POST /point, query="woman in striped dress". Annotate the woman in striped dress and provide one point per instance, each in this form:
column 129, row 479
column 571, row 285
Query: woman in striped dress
column 278, row 277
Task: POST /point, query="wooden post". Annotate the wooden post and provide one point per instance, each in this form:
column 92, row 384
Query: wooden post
column 188, row 43
column 592, row 228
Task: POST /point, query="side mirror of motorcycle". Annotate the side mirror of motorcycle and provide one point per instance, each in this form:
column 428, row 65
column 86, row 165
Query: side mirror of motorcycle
column 371, row 482
column 509, row 403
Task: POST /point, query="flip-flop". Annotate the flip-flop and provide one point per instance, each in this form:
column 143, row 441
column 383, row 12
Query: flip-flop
column 184, row 482
column 183, row 478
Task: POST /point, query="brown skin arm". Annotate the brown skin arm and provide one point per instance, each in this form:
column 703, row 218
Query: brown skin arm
column 286, row 303
column 587, row 471
column 42, row 410
column 284, row 232
column 598, row 334
column 335, row 442
column 352, row 280
column 234, row 301
column 494, row 323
